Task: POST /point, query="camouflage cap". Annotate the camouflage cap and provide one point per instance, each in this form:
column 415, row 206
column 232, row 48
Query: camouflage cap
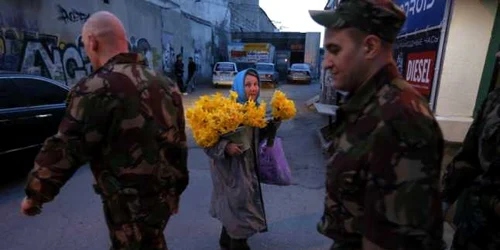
column 381, row 18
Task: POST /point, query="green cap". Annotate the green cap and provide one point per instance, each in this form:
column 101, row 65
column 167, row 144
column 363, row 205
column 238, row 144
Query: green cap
column 382, row 19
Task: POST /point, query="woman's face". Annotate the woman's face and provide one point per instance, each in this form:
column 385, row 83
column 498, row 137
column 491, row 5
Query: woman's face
column 251, row 87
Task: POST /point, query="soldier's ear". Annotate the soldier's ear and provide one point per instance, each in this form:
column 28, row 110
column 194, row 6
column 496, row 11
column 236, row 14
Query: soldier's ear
column 372, row 46
column 94, row 44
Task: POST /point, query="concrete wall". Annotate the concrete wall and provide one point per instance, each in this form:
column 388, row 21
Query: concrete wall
column 265, row 24
column 44, row 38
column 195, row 29
column 244, row 15
column 191, row 38
column 467, row 44
column 215, row 11
column 311, row 53
column 247, row 16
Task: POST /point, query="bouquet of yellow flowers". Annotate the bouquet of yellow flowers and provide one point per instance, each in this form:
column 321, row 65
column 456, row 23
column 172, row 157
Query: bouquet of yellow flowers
column 216, row 115
column 254, row 115
column 282, row 107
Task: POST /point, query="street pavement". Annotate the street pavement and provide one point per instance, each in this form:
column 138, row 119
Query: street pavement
column 74, row 220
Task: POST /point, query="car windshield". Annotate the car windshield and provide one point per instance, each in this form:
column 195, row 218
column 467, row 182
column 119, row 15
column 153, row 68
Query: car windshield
column 300, row 66
column 265, row 67
column 224, row 67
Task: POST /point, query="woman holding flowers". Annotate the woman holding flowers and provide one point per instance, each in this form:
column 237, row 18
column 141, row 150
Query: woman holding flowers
column 237, row 198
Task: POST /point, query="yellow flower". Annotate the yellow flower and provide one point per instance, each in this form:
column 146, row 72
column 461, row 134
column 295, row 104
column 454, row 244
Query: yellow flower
column 215, row 115
column 255, row 116
column 233, row 95
column 282, row 107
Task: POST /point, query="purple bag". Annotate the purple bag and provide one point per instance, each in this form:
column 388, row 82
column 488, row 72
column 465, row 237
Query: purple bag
column 273, row 166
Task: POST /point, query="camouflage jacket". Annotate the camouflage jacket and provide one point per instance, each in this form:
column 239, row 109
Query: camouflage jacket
column 383, row 175
column 128, row 122
column 471, row 183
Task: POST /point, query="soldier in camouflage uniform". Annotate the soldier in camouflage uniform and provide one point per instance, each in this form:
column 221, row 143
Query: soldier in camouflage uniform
column 128, row 122
column 471, row 184
column 382, row 188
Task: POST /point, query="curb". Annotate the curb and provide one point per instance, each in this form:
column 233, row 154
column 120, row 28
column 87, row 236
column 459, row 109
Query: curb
column 323, row 142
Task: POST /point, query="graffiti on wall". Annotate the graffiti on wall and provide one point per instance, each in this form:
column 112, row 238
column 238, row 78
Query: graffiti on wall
column 24, row 49
column 169, row 55
column 167, row 52
column 150, row 53
column 72, row 16
column 43, row 54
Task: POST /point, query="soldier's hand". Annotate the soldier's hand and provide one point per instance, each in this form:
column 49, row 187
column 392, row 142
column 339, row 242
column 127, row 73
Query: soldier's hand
column 233, row 149
column 30, row 207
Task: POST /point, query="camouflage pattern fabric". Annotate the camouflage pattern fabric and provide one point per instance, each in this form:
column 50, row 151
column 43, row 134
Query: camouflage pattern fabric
column 381, row 19
column 383, row 175
column 128, row 122
column 471, row 183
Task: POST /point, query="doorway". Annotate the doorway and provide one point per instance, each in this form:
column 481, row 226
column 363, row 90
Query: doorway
column 297, row 57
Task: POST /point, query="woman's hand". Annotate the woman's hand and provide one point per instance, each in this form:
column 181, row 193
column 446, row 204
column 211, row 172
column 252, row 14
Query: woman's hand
column 233, row 149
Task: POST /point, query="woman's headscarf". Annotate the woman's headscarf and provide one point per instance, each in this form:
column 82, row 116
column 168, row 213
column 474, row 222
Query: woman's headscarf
column 239, row 85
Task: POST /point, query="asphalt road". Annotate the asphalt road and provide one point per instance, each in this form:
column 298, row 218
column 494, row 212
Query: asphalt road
column 74, row 220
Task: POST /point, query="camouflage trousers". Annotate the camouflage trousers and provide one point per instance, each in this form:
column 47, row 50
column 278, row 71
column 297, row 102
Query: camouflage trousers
column 476, row 216
column 137, row 223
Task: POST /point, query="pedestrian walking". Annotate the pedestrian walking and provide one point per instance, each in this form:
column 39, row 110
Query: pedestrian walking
column 127, row 121
column 179, row 74
column 237, row 197
column 471, row 183
column 382, row 188
column 192, row 71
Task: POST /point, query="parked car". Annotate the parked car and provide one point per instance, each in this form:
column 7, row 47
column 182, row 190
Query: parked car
column 267, row 73
column 299, row 72
column 224, row 73
column 31, row 108
column 245, row 65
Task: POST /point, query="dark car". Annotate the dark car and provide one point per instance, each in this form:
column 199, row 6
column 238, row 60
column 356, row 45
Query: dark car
column 31, row 108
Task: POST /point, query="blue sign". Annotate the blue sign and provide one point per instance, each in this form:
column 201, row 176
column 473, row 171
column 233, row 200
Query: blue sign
column 421, row 14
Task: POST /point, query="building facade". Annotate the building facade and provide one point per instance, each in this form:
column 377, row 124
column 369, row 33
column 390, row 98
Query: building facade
column 469, row 64
column 448, row 51
column 43, row 37
column 291, row 47
column 247, row 16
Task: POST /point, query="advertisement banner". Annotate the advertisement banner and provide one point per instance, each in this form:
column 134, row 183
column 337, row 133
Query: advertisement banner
column 256, row 46
column 249, row 52
column 416, row 56
column 422, row 14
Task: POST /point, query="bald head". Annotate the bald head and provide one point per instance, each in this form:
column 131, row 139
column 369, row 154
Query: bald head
column 103, row 36
column 104, row 25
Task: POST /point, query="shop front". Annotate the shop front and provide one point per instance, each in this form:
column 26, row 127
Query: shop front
column 470, row 66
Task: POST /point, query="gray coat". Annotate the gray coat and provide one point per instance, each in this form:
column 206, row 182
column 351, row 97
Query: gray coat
column 236, row 196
